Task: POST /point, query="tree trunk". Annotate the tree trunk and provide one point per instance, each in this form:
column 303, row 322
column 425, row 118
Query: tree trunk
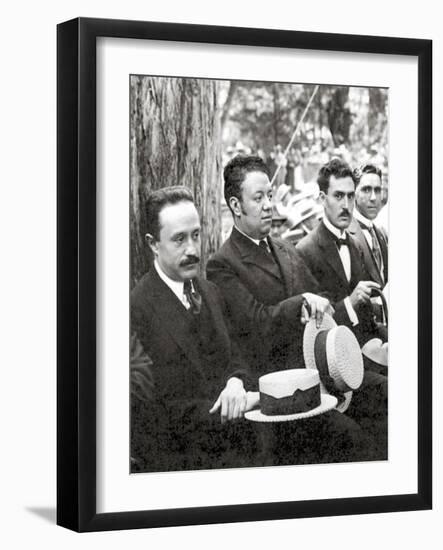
column 175, row 140
column 233, row 85
column 339, row 116
column 276, row 113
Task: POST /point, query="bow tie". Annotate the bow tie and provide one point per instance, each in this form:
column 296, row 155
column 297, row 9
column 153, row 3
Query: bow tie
column 342, row 242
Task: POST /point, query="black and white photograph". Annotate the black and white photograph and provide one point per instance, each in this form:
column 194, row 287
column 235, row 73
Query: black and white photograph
column 221, row 275
column 244, row 296
column 258, row 279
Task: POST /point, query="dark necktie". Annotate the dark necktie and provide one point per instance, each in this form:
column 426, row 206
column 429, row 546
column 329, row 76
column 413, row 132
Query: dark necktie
column 193, row 297
column 264, row 245
column 376, row 251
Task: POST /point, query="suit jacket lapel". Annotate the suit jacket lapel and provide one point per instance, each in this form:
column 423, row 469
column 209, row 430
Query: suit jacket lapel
column 356, row 231
column 357, row 264
column 254, row 255
column 216, row 315
column 284, row 262
column 331, row 255
column 173, row 316
column 384, row 250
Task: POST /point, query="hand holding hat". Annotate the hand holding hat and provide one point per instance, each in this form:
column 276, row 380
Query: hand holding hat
column 315, row 307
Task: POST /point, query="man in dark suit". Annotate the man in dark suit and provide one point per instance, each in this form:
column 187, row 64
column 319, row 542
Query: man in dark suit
column 336, row 260
column 177, row 317
column 264, row 282
column 372, row 239
column 269, row 292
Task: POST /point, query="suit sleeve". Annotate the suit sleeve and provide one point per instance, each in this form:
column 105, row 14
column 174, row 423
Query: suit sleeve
column 238, row 366
column 311, row 258
column 365, row 325
column 245, row 311
column 341, row 315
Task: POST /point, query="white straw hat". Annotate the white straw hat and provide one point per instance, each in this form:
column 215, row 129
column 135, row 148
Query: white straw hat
column 292, row 394
column 334, row 352
column 376, row 352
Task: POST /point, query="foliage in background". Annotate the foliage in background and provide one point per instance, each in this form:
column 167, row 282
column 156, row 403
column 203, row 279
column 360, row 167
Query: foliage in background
column 341, row 119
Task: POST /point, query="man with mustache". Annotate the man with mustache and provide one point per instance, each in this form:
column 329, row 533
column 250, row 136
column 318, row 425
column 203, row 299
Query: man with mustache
column 337, row 262
column 178, row 319
column 270, row 292
column 335, row 258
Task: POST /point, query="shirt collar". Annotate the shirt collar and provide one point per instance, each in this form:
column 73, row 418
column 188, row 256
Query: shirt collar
column 175, row 286
column 363, row 219
column 334, row 230
column 256, row 241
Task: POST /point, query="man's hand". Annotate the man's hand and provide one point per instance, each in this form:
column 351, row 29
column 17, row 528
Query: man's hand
column 232, row 401
column 362, row 293
column 315, row 307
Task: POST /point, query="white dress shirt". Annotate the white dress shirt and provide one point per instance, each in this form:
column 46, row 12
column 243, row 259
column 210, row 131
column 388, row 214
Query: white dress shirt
column 345, row 258
column 175, row 286
column 368, row 223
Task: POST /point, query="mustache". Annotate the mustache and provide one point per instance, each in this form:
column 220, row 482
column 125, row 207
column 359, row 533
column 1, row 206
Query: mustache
column 190, row 260
column 345, row 211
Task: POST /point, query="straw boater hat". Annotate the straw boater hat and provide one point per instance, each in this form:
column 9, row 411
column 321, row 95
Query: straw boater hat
column 335, row 353
column 375, row 355
column 290, row 395
column 276, row 215
column 303, row 210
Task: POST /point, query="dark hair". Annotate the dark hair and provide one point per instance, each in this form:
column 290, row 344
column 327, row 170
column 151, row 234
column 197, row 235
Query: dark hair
column 337, row 168
column 367, row 169
column 158, row 200
column 235, row 172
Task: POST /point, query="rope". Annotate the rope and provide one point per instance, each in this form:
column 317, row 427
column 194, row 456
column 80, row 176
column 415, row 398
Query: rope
column 295, row 133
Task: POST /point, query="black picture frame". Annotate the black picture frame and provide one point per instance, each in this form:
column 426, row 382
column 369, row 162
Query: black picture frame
column 76, row 264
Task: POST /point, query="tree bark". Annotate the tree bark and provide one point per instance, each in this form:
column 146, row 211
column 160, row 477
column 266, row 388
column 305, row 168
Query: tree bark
column 233, row 85
column 175, row 140
column 339, row 116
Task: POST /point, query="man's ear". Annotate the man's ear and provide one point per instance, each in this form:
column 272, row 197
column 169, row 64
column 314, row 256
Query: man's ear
column 322, row 196
column 234, row 203
column 152, row 242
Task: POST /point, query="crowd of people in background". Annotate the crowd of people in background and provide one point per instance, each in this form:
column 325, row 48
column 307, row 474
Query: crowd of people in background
column 297, row 208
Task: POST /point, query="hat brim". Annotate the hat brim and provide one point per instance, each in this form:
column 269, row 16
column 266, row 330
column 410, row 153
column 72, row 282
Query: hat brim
column 328, row 402
column 309, row 336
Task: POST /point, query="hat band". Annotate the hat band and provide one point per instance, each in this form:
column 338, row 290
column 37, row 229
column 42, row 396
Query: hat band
column 321, row 361
column 300, row 401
